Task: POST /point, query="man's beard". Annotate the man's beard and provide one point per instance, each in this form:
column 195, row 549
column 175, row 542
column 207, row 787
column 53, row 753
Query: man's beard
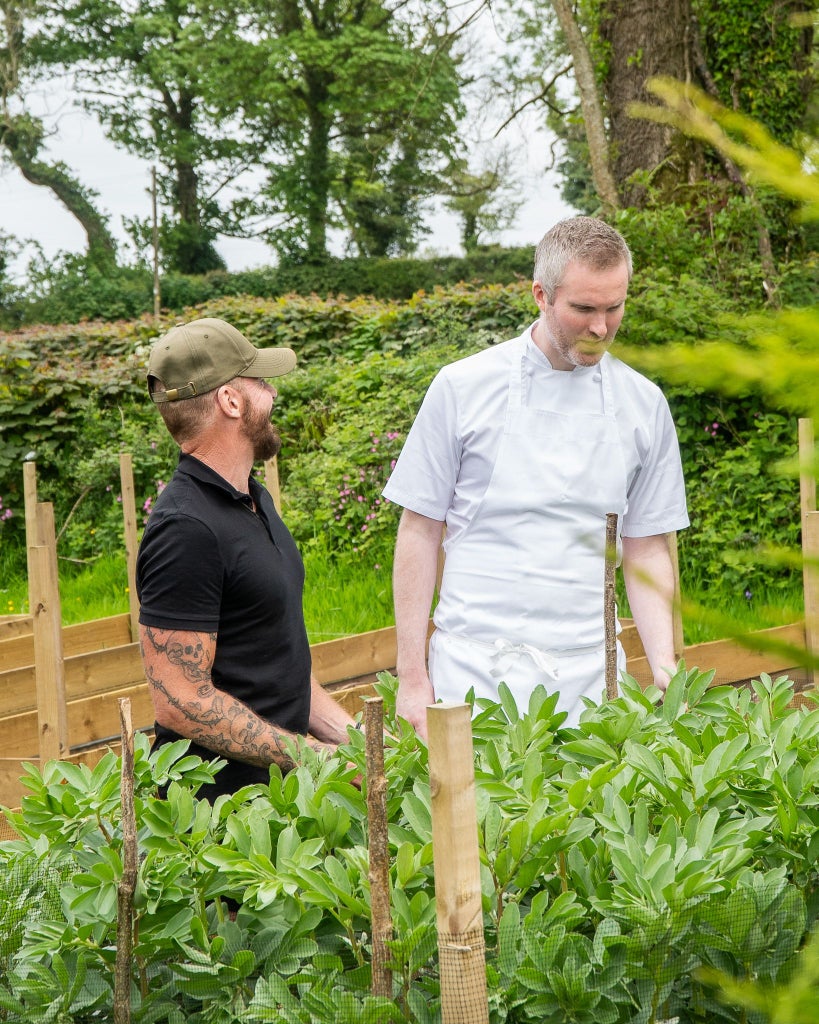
column 261, row 433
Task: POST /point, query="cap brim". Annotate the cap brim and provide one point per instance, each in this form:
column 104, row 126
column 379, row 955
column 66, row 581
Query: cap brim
column 271, row 362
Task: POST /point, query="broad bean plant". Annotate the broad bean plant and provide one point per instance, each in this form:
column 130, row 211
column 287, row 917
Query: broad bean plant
column 656, row 863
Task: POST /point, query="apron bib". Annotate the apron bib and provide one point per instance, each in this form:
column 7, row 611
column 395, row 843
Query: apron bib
column 522, row 591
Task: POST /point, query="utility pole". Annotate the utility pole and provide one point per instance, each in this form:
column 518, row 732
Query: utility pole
column 155, row 240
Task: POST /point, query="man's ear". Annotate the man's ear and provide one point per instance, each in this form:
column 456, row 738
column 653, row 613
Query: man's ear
column 540, row 296
column 229, row 400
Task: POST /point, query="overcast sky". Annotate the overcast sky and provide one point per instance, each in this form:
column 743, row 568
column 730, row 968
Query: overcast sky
column 123, row 184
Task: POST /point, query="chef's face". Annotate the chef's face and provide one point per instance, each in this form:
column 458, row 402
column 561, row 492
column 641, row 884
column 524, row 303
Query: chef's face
column 578, row 326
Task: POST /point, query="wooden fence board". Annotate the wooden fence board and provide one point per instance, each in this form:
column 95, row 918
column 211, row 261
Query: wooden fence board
column 90, row 720
column 17, row 650
column 85, row 675
column 352, row 656
column 15, row 625
column 731, row 660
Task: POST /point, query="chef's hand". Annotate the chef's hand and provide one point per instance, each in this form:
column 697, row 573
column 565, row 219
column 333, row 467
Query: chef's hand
column 414, row 695
column 661, row 679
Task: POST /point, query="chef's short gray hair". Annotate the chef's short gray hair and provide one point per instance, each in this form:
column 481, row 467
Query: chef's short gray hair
column 584, row 239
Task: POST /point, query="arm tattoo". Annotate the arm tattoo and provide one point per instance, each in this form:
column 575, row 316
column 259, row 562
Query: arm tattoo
column 212, row 718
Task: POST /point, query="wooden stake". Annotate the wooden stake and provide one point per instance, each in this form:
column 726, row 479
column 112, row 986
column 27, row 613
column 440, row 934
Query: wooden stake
column 610, row 606
column 379, row 866
column 126, row 477
column 807, row 471
column 30, row 500
column 461, row 944
column 810, row 574
column 49, row 667
column 271, row 482
column 127, row 883
column 810, row 540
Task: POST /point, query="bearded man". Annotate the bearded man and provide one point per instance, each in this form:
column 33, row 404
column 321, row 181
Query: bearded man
column 219, row 577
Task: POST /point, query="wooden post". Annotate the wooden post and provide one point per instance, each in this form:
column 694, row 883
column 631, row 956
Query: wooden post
column 810, row 575
column 49, row 667
column 610, row 606
column 807, row 468
column 126, row 477
column 461, row 944
column 155, row 244
column 271, row 482
column 379, row 858
column 30, row 500
column 810, row 540
column 127, row 883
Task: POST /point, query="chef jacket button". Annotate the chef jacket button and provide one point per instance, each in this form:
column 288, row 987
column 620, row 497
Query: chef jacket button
column 597, row 377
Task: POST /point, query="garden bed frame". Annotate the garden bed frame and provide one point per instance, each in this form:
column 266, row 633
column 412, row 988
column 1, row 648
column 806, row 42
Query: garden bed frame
column 60, row 686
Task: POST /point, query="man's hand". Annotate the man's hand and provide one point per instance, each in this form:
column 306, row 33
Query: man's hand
column 412, row 701
column 661, row 679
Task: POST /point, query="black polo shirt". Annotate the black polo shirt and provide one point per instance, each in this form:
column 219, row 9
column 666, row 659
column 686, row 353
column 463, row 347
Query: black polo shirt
column 209, row 563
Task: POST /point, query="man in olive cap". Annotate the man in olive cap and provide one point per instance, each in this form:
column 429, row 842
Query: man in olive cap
column 219, row 576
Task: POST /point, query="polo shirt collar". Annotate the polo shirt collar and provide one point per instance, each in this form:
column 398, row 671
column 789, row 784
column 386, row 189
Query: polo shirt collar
column 197, row 469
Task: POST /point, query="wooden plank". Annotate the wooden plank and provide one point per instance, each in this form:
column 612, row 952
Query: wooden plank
column 731, row 660
column 85, row 675
column 17, row 647
column 354, row 656
column 91, row 720
column 353, row 696
column 13, row 626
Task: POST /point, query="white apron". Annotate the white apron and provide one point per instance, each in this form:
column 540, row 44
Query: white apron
column 522, row 590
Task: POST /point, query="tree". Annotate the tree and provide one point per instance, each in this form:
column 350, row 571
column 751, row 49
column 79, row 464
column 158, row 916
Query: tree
column 753, row 55
column 140, row 68
column 645, row 39
column 357, row 103
column 22, row 137
column 485, row 198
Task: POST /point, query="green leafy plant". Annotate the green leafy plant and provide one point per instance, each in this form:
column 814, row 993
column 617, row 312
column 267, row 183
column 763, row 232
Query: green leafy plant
column 640, row 867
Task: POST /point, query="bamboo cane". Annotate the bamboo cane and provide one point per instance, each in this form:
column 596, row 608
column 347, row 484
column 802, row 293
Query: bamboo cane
column 379, row 865
column 461, row 944
column 610, row 606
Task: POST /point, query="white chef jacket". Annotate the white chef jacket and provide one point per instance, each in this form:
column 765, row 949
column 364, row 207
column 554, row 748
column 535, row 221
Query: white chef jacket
column 448, row 459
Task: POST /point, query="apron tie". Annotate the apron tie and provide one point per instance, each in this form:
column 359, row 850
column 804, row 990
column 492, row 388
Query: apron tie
column 504, row 650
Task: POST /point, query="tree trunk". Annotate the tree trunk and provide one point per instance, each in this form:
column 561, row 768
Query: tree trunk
column 590, row 105
column 317, row 173
column 646, row 38
column 22, row 146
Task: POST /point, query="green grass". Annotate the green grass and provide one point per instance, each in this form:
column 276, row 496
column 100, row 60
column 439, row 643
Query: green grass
column 354, row 595
column 340, row 599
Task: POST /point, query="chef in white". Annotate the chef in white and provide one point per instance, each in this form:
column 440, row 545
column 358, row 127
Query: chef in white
column 521, row 450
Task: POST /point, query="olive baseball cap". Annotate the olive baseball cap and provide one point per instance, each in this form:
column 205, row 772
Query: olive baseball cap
column 204, row 354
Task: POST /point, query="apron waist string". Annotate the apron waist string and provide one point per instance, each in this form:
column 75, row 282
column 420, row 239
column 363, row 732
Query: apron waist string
column 547, row 661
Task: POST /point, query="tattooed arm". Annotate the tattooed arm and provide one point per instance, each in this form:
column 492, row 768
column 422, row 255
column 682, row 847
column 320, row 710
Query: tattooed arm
column 178, row 667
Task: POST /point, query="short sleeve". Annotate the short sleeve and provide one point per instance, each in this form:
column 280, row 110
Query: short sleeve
column 179, row 576
column 656, row 498
column 426, row 472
